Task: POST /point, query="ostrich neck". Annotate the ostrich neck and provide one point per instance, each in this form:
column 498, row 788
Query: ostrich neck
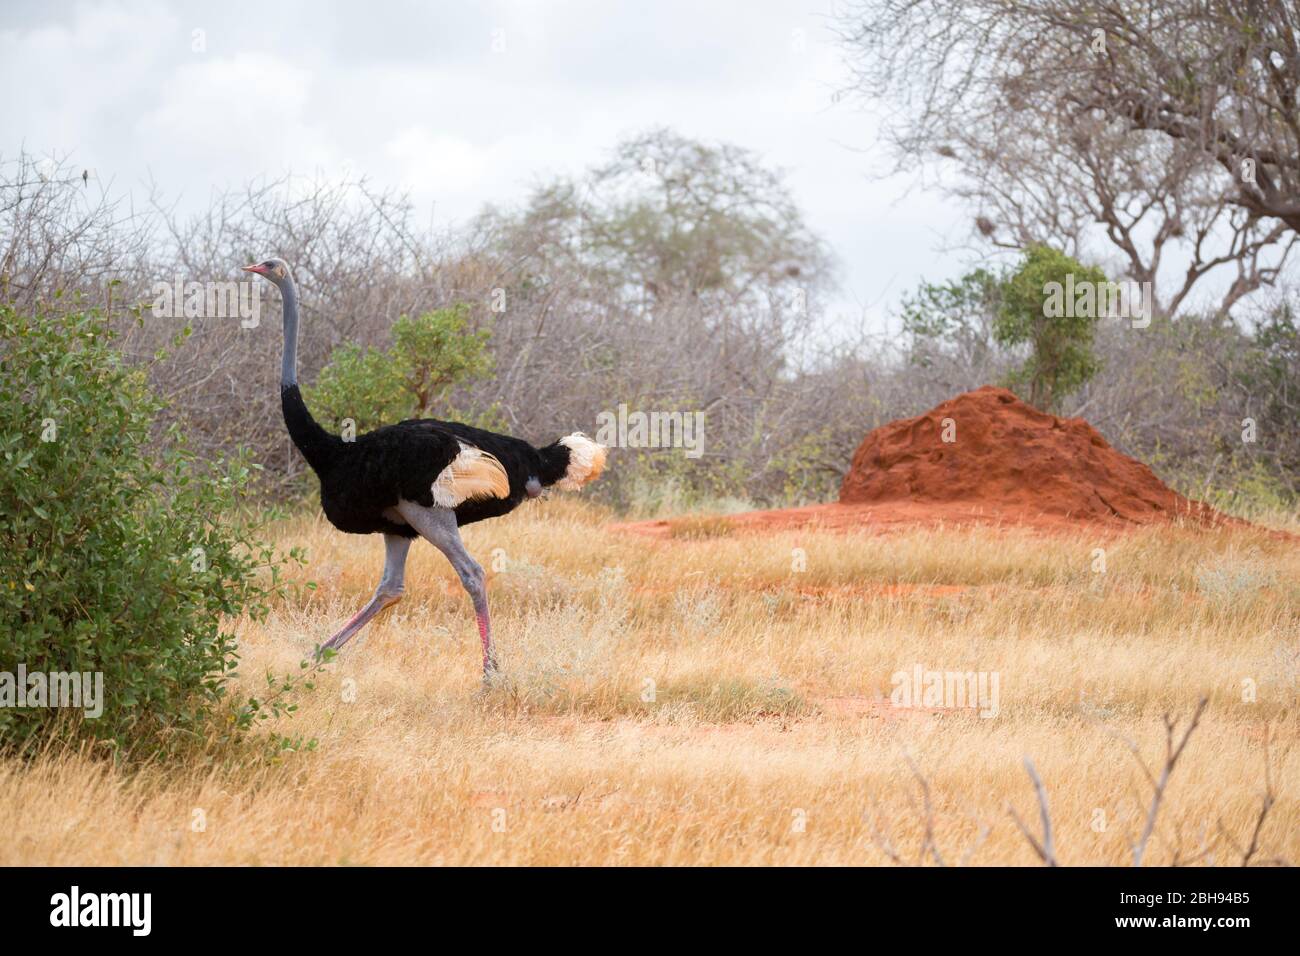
column 289, row 364
column 318, row 446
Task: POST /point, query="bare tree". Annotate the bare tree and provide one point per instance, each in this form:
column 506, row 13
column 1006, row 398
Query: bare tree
column 1169, row 132
column 669, row 217
column 62, row 237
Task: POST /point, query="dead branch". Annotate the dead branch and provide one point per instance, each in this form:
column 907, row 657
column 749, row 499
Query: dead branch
column 1045, row 848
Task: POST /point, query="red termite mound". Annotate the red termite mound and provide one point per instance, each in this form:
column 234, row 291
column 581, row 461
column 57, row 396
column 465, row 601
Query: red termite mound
column 1006, row 463
column 990, row 449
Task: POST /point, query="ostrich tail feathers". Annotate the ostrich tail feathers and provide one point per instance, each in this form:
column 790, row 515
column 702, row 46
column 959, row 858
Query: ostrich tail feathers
column 586, row 461
column 472, row 474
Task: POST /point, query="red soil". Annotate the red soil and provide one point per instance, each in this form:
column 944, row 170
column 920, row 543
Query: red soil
column 1005, row 463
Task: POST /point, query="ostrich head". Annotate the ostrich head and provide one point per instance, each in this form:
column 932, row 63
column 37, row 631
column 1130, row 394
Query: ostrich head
column 276, row 270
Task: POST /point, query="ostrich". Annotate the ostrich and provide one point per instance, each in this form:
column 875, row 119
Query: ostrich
column 420, row 477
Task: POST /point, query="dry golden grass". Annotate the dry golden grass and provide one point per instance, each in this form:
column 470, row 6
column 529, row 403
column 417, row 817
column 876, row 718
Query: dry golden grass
column 770, row 737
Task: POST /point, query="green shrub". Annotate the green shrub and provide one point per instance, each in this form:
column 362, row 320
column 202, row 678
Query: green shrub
column 958, row 315
column 112, row 557
column 1061, row 357
column 410, row 379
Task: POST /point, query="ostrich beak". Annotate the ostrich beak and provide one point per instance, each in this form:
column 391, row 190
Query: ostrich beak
column 259, row 269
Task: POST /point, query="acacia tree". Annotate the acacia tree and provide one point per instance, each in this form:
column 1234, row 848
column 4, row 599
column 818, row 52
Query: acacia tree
column 1169, row 133
column 668, row 217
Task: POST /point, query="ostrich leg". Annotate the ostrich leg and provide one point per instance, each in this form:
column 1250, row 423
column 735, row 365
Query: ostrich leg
column 387, row 594
column 438, row 527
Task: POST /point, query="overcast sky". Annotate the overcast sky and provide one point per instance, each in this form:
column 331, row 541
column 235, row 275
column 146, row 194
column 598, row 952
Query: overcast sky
column 463, row 104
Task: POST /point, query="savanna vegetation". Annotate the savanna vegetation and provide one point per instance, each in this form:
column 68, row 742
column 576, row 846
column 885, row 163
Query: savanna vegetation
column 707, row 697
column 699, row 700
column 679, row 276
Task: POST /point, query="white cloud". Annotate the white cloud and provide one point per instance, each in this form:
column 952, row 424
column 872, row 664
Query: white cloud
column 242, row 115
column 419, row 100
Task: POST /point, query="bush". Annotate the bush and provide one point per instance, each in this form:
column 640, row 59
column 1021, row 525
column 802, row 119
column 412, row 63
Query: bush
column 1273, row 385
column 112, row 560
column 956, row 316
column 410, row 379
column 1061, row 355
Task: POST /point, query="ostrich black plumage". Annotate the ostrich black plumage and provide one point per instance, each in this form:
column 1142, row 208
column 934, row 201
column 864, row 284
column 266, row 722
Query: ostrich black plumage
column 419, row 478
